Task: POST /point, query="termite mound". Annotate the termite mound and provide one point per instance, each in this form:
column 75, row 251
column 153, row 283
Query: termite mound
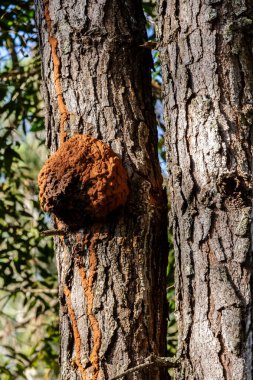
column 84, row 180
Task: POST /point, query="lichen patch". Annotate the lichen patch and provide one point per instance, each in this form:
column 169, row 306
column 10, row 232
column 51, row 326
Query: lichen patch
column 83, row 180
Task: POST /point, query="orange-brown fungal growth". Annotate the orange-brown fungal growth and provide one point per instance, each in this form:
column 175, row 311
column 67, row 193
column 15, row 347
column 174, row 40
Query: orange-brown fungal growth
column 83, row 180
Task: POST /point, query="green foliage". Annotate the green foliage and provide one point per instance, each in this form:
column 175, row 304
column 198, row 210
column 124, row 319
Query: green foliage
column 149, row 7
column 28, row 295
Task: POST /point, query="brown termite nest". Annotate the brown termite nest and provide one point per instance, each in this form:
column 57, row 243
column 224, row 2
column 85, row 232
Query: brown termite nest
column 84, row 180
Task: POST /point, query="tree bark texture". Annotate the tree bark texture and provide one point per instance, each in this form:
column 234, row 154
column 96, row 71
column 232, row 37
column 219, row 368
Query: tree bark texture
column 206, row 54
column 96, row 81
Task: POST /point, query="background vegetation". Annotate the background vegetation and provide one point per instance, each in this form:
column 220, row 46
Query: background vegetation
column 28, row 280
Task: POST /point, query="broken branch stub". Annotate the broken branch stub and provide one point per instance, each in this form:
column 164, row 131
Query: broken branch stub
column 84, row 180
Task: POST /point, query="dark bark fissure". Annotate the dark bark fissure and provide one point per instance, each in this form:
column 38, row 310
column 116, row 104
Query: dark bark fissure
column 206, row 56
column 112, row 275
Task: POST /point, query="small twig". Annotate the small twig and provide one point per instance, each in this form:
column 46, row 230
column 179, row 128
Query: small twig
column 150, row 45
column 170, row 287
column 38, row 291
column 53, row 233
column 151, row 361
column 30, row 290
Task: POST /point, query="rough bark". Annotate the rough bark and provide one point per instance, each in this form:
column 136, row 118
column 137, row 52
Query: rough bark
column 96, row 81
column 206, row 54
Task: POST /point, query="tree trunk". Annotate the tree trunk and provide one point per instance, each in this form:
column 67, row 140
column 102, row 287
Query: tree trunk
column 96, row 81
column 206, row 54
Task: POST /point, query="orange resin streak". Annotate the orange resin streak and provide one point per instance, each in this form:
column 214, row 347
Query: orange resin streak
column 77, row 338
column 87, row 283
column 64, row 113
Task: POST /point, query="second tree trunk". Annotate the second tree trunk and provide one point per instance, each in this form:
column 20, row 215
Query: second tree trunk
column 206, row 54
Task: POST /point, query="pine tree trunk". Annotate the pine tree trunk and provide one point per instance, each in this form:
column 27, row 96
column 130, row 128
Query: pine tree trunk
column 112, row 274
column 206, row 54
